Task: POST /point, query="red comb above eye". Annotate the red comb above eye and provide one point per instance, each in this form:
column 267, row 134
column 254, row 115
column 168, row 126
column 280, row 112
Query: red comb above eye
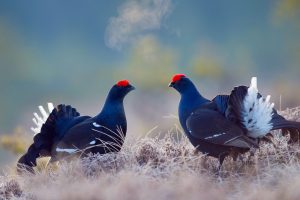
column 177, row 77
column 123, row 83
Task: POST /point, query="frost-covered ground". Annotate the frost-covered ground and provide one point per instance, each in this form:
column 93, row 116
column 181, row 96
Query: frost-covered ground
column 156, row 167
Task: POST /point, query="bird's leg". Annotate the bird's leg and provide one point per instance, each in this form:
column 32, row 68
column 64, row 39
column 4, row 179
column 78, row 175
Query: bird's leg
column 294, row 136
column 269, row 138
column 258, row 140
column 234, row 155
column 285, row 132
column 221, row 160
column 204, row 162
column 252, row 151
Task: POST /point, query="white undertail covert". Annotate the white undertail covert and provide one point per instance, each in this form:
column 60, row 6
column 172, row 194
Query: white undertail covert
column 257, row 112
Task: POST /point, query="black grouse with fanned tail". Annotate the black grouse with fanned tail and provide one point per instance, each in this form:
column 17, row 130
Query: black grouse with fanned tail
column 228, row 124
column 66, row 133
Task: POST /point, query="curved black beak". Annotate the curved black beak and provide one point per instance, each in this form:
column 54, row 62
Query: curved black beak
column 171, row 84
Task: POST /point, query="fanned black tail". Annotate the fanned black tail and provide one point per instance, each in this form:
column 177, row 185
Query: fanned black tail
column 57, row 123
column 28, row 160
column 236, row 104
column 222, row 103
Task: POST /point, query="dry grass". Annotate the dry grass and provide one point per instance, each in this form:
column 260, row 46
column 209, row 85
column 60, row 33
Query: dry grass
column 16, row 142
column 156, row 167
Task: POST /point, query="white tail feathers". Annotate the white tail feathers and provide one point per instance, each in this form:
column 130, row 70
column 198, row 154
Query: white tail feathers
column 40, row 120
column 253, row 84
column 50, row 107
column 257, row 112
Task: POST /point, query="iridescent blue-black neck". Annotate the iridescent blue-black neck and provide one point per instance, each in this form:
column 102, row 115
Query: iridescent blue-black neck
column 113, row 112
column 190, row 100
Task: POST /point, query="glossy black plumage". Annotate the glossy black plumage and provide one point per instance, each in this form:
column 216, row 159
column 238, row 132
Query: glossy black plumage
column 217, row 127
column 205, row 121
column 193, row 110
column 66, row 133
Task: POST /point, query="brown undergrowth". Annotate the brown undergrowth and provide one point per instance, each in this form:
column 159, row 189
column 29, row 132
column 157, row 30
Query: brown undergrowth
column 166, row 167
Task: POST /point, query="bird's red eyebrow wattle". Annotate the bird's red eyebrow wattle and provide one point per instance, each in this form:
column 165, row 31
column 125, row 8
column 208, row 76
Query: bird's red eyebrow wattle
column 123, row 83
column 177, row 77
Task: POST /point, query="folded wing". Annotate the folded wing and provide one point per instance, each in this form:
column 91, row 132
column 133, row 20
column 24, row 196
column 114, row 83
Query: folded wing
column 211, row 126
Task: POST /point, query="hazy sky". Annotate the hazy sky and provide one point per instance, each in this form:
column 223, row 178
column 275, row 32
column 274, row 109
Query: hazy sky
column 103, row 27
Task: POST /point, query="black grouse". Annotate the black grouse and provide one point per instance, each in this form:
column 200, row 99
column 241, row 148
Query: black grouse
column 64, row 132
column 228, row 124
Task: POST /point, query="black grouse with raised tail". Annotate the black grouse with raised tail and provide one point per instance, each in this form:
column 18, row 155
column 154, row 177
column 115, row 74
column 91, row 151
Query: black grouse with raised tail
column 228, row 124
column 65, row 132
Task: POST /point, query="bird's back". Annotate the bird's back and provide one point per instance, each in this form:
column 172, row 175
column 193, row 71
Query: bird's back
column 99, row 134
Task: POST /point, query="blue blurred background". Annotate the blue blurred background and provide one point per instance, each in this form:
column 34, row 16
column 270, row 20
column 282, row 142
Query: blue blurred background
column 73, row 51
